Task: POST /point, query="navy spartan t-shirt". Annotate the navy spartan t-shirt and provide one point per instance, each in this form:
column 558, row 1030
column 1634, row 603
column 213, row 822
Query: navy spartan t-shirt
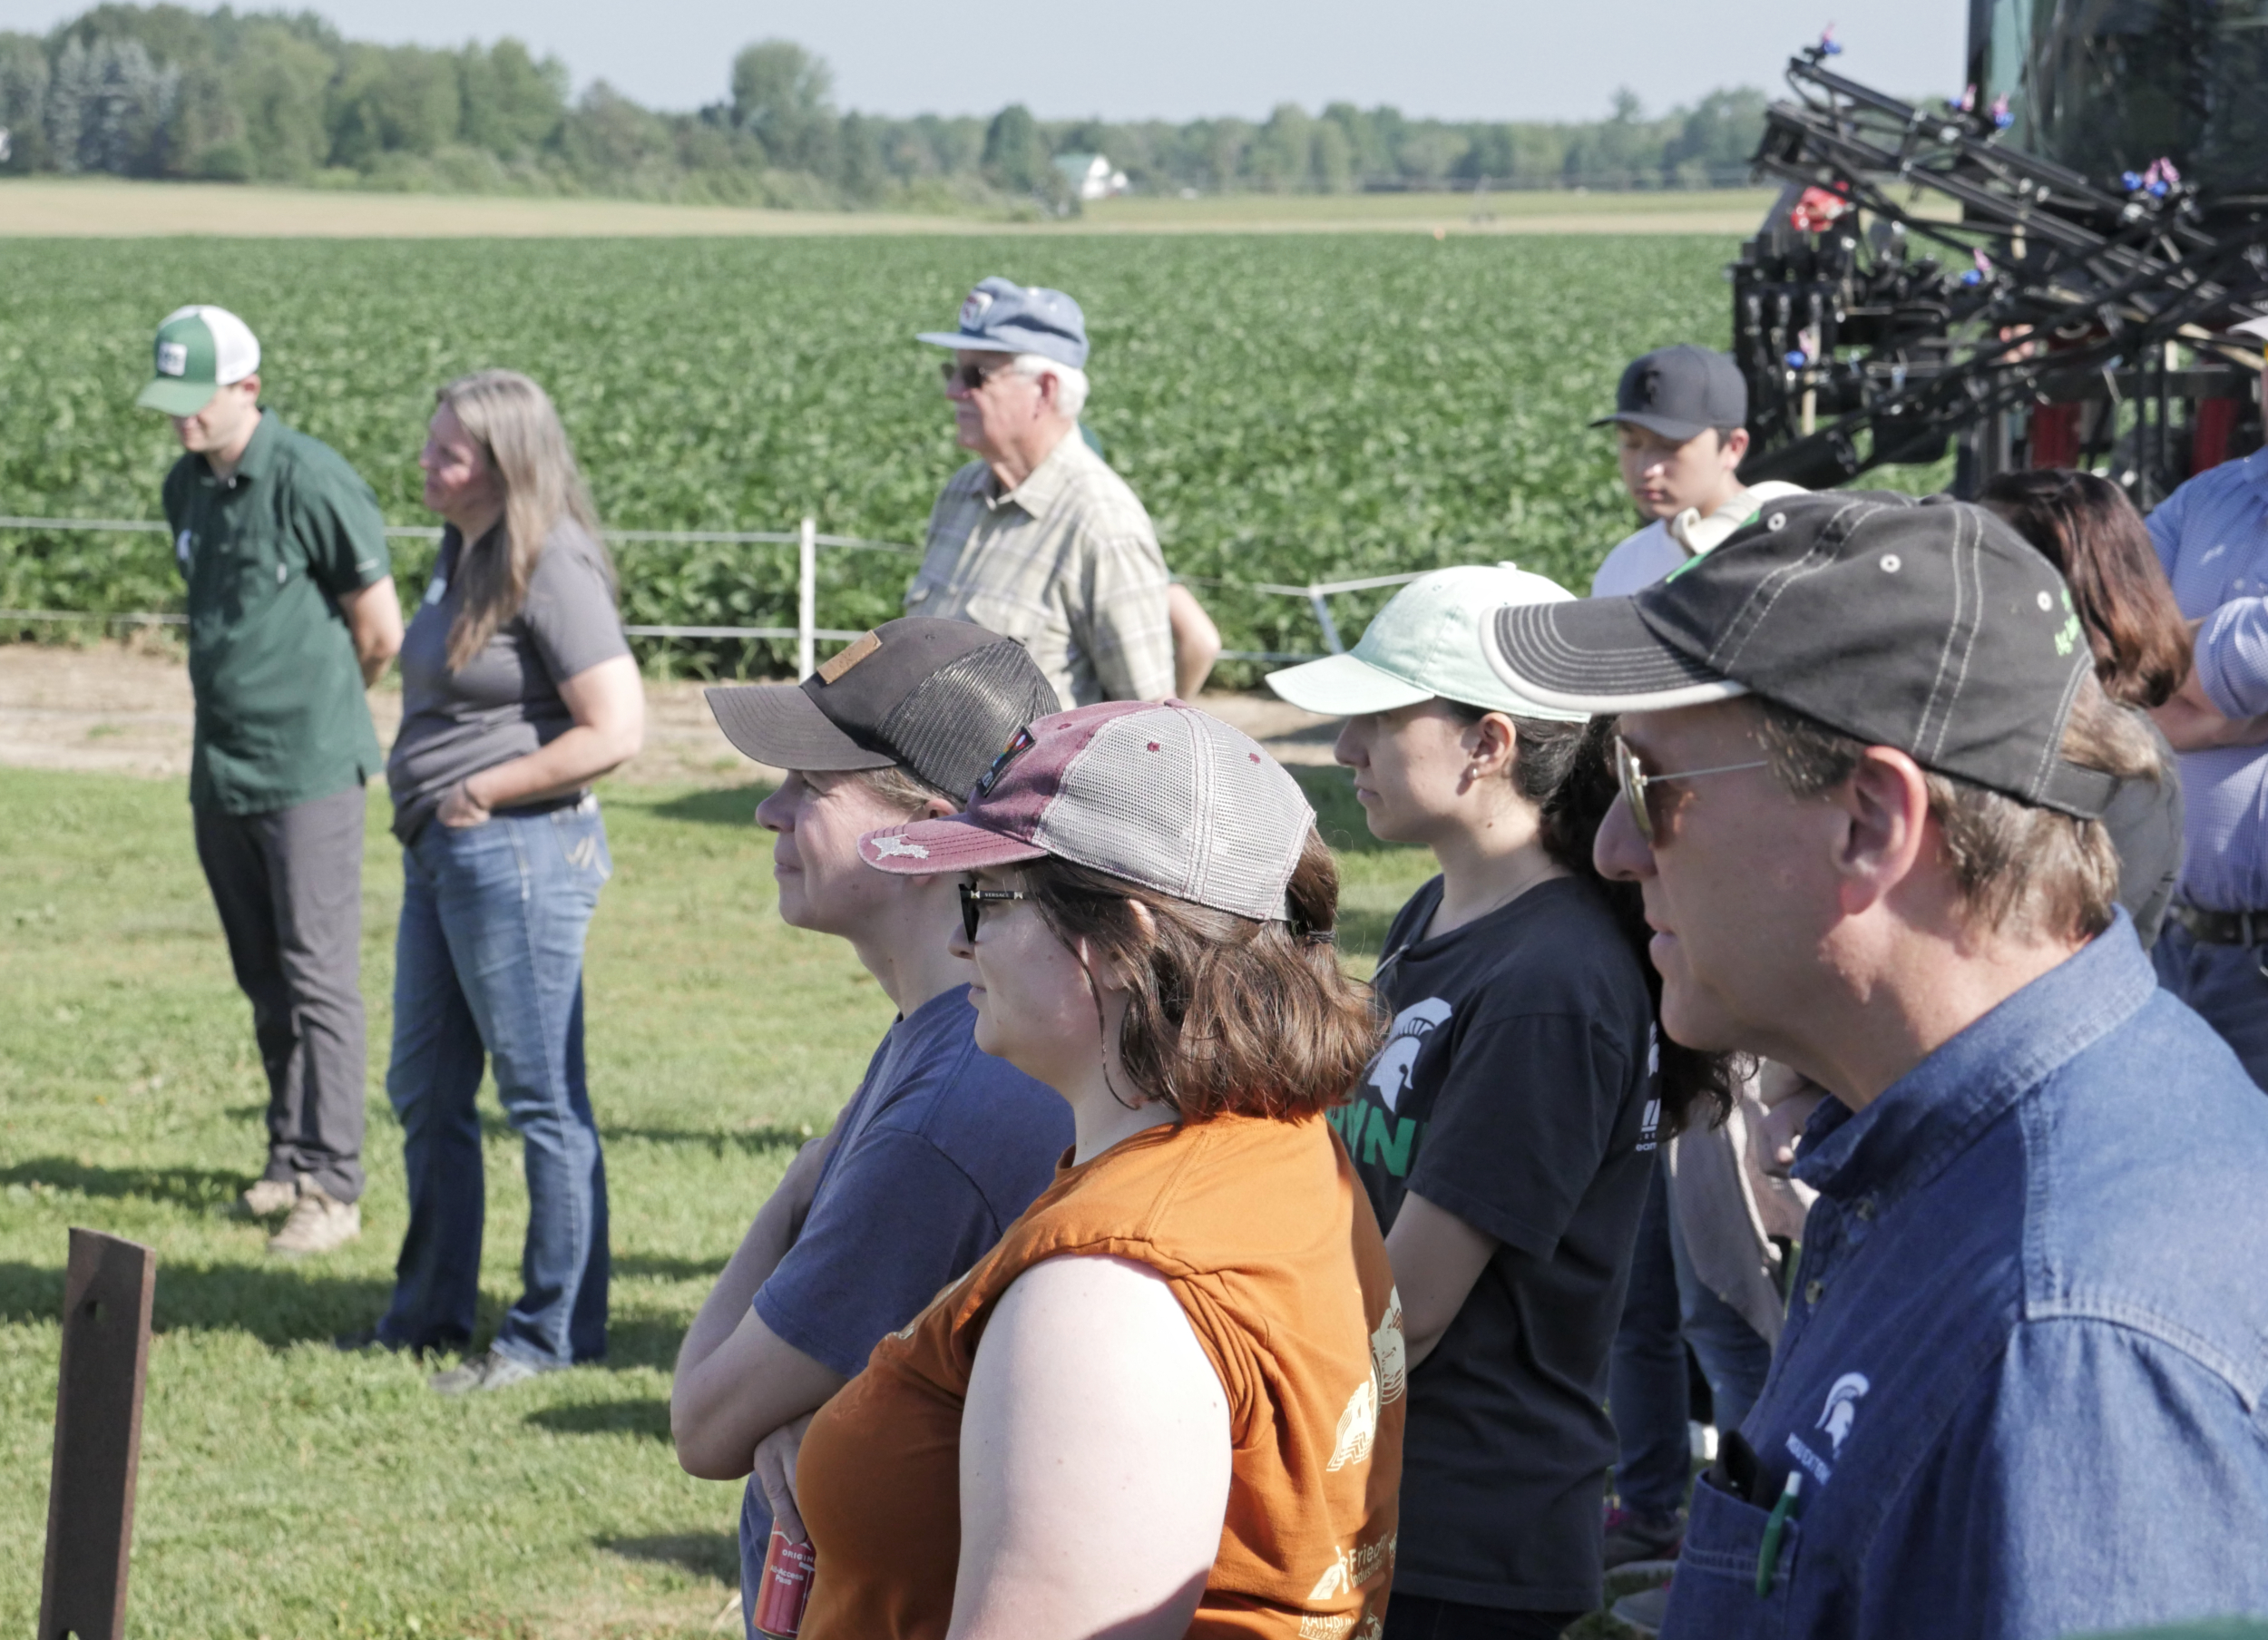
column 941, row 1149
column 1515, row 1091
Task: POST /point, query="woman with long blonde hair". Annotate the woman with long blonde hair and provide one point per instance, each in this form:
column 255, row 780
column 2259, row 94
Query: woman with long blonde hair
column 518, row 690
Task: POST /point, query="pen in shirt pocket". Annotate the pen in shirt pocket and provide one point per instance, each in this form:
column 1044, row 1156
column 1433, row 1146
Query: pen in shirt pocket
column 1774, row 1528
column 1737, row 1474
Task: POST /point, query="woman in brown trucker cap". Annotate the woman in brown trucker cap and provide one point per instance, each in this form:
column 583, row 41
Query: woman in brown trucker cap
column 1169, row 1400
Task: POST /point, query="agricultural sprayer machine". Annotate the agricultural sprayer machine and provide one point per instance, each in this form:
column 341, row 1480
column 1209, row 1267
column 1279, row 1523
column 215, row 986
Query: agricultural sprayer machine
column 2066, row 265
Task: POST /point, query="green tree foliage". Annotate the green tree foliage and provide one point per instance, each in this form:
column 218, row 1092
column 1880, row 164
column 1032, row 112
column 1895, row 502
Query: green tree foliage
column 108, row 107
column 780, row 95
column 858, row 158
column 1015, row 151
column 279, row 79
column 1333, row 162
column 513, row 105
column 163, row 90
column 396, row 100
column 610, row 135
column 1717, row 136
column 23, row 77
column 1283, row 155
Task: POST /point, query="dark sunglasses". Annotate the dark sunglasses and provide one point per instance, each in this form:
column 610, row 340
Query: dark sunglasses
column 968, row 377
column 1634, row 780
column 973, row 900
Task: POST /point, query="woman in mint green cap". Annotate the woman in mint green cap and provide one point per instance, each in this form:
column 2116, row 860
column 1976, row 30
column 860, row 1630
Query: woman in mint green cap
column 1506, row 1133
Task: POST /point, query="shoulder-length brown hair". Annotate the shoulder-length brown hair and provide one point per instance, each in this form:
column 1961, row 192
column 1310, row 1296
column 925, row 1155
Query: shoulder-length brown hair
column 1229, row 1015
column 2088, row 529
column 514, row 422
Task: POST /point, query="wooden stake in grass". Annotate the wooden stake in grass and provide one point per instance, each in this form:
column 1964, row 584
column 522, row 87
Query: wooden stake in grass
column 106, row 1301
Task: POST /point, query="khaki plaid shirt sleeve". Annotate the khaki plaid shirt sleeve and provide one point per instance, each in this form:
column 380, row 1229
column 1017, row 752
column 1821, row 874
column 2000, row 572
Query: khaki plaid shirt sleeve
column 1067, row 564
column 1126, row 635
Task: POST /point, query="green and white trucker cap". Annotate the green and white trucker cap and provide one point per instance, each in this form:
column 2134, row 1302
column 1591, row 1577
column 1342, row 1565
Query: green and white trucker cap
column 1426, row 644
column 200, row 350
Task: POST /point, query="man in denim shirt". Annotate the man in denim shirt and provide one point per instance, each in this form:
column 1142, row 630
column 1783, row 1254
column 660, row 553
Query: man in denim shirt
column 2019, row 1392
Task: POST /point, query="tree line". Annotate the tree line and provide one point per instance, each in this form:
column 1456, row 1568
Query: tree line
column 164, row 91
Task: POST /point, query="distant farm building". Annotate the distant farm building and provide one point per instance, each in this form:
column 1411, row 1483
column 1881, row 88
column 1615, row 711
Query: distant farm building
column 1091, row 176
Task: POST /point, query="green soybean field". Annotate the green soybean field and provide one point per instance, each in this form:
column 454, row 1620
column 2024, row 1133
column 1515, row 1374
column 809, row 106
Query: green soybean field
column 1290, row 408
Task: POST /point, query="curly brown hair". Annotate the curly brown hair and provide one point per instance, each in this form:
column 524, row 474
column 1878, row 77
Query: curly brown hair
column 1229, row 1015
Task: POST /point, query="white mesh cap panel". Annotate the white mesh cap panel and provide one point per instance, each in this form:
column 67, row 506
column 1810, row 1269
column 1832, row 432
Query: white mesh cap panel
column 235, row 349
column 1126, row 810
column 1181, row 802
column 1258, row 822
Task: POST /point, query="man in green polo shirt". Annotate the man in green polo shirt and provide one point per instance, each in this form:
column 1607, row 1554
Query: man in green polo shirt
column 292, row 615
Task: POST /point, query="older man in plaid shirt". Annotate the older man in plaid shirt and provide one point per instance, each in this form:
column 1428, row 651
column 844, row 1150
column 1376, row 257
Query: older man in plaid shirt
column 1038, row 539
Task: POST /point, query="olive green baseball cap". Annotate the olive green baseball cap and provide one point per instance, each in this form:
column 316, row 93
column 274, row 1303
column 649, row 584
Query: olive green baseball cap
column 200, row 349
column 1426, row 644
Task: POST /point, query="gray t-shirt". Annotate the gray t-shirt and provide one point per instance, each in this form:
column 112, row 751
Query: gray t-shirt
column 504, row 702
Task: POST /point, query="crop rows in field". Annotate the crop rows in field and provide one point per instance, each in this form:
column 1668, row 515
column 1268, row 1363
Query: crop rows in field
column 1289, row 409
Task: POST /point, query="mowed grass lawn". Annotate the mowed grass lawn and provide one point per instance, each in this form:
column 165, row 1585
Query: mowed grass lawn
column 287, row 1489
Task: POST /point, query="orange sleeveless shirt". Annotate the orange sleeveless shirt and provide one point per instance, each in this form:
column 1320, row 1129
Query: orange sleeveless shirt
column 1266, row 1239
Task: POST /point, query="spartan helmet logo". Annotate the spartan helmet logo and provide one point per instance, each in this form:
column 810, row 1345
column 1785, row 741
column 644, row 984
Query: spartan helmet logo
column 1391, row 1071
column 1841, row 1407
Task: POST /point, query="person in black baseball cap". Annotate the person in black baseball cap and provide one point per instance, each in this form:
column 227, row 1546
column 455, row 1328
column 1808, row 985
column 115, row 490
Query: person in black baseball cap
column 1862, row 755
column 942, row 1146
column 1680, row 434
column 936, row 699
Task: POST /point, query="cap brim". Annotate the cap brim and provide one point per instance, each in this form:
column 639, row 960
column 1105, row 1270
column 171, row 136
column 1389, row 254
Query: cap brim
column 1594, row 655
column 1663, row 425
column 1341, row 685
column 176, row 397
column 952, row 844
column 777, row 724
column 963, row 344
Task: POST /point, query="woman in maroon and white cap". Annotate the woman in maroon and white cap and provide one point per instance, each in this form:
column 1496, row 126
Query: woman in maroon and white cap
column 1169, row 1400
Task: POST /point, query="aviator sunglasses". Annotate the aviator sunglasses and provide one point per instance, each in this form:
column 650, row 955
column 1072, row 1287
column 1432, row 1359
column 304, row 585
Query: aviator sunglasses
column 970, row 377
column 1634, row 780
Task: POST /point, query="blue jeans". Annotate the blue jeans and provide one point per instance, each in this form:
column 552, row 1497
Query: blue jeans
column 1667, row 1308
column 488, row 964
column 2224, row 984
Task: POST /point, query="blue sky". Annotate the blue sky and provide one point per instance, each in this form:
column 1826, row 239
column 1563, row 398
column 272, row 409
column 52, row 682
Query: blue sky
column 1182, row 59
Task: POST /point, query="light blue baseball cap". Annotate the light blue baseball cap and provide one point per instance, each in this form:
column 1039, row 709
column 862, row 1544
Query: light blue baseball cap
column 1425, row 645
column 1000, row 316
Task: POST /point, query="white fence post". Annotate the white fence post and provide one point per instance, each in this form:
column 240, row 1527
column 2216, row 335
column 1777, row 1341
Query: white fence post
column 807, row 597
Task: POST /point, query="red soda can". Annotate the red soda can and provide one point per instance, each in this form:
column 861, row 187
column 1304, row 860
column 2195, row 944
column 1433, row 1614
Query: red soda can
column 784, row 1587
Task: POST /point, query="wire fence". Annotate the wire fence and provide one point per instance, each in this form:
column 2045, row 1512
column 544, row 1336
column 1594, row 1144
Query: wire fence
column 806, row 539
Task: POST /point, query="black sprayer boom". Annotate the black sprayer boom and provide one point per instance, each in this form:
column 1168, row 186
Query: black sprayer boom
column 1924, row 282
